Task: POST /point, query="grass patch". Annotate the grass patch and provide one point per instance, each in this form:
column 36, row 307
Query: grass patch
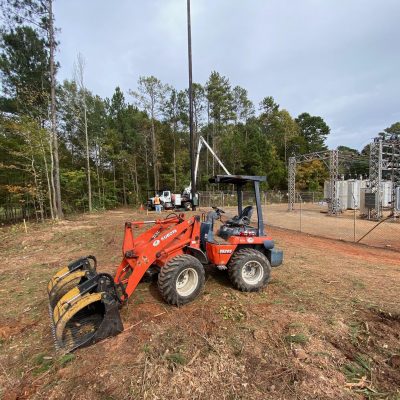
column 43, row 363
column 146, row 348
column 358, row 284
column 358, row 332
column 358, row 369
column 65, row 359
column 355, row 329
column 295, row 325
column 298, row 338
column 176, row 358
column 232, row 313
column 138, row 300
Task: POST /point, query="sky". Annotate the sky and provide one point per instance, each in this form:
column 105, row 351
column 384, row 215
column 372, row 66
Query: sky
column 339, row 59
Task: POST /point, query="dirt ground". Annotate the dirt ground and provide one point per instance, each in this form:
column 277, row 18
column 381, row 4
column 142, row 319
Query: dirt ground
column 326, row 327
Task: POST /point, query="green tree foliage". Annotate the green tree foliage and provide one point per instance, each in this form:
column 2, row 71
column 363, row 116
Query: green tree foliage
column 220, row 99
column 24, row 63
column 391, row 133
column 314, row 131
column 21, row 17
column 242, row 105
column 311, row 175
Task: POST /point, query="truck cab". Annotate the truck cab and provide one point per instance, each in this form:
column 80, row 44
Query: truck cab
column 165, row 200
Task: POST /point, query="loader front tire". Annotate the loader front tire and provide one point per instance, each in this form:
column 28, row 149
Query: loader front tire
column 181, row 280
column 249, row 270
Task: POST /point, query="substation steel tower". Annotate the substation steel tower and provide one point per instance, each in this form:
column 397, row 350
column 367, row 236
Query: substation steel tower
column 384, row 162
column 331, row 159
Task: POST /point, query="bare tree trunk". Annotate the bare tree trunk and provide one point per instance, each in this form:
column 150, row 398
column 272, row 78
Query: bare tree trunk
column 87, row 159
column 136, row 183
column 154, row 148
column 47, row 179
column 114, row 179
column 97, row 171
column 79, row 71
column 53, row 189
column 208, row 137
column 56, row 171
column 174, row 136
column 213, row 147
column 101, row 174
column 147, row 169
column 38, row 190
column 38, row 193
column 124, row 188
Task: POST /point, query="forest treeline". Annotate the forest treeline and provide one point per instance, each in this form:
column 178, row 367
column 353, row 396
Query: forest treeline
column 64, row 148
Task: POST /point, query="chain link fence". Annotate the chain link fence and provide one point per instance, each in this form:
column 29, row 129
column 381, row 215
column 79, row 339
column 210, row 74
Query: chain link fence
column 310, row 215
column 227, row 199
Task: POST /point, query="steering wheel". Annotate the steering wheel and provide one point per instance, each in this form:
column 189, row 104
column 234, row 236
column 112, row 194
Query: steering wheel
column 172, row 214
column 218, row 210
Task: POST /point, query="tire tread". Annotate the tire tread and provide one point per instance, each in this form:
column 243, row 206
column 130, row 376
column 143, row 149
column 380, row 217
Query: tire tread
column 236, row 263
column 166, row 279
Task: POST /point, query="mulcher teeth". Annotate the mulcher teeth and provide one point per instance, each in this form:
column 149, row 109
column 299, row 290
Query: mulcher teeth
column 53, row 328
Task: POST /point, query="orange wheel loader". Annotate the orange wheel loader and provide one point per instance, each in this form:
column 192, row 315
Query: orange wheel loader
column 84, row 304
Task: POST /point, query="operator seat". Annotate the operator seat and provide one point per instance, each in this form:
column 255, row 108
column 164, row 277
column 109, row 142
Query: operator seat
column 238, row 225
column 242, row 219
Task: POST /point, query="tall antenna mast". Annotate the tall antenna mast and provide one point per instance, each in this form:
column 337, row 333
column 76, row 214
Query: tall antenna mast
column 191, row 136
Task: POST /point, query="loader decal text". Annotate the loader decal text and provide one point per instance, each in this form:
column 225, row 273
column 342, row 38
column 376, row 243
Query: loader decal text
column 169, row 234
column 225, row 251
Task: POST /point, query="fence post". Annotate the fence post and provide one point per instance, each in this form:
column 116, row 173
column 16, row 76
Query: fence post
column 300, row 211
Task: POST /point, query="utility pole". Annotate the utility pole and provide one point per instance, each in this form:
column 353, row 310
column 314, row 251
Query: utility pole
column 191, row 136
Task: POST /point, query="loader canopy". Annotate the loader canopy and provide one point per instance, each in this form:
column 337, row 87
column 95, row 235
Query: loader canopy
column 240, row 181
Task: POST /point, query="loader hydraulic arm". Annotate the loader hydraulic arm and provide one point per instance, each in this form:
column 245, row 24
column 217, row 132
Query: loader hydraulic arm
column 154, row 247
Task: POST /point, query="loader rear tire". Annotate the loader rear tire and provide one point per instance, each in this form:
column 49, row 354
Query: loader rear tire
column 181, row 280
column 249, row 270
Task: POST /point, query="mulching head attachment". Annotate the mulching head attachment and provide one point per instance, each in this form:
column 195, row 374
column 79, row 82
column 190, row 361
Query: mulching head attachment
column 69, row 277
column 85, row 313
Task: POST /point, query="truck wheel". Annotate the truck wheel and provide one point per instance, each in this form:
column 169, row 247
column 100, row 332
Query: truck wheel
column 188, row 206
column 168, row 206
column 181, row 280
column 249, row 270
